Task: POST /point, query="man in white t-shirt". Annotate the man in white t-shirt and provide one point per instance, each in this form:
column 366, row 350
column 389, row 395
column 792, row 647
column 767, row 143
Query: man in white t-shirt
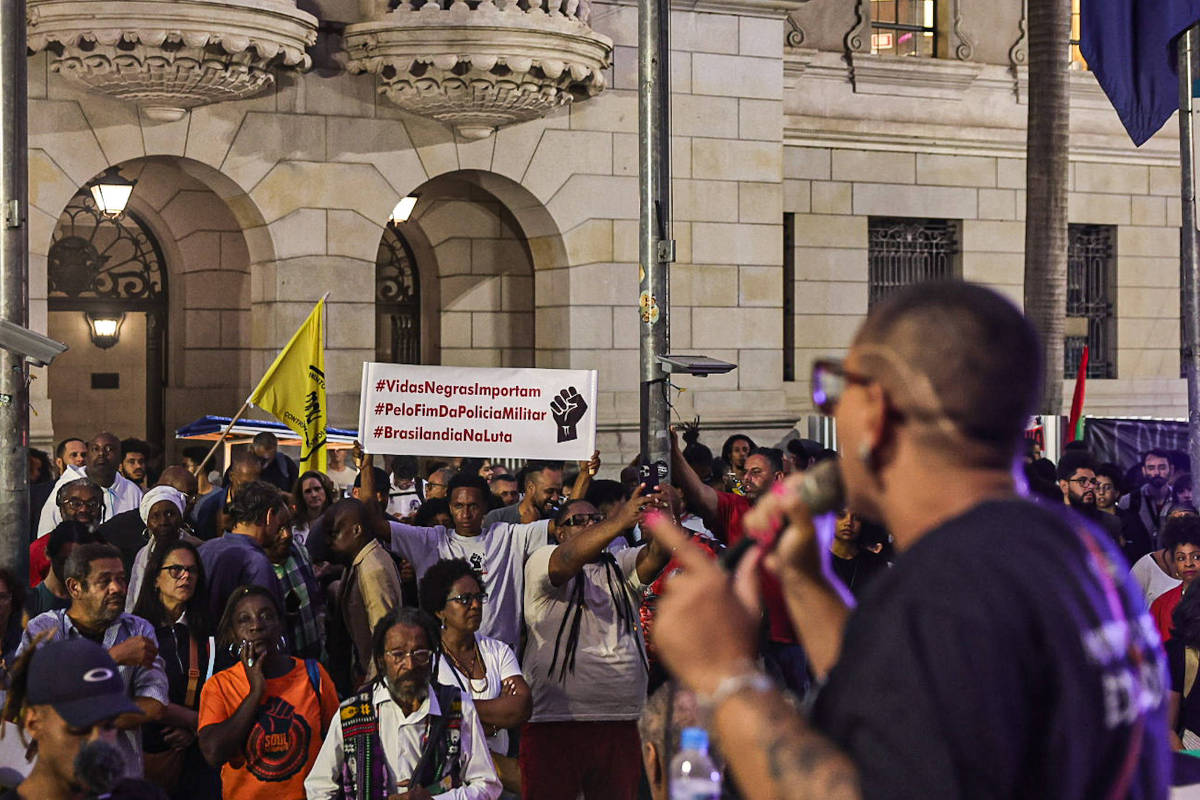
column 584, row 660
column 118, row 492
column 498, row 553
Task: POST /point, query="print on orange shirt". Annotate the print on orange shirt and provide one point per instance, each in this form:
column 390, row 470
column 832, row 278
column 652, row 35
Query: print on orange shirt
column 277, row 747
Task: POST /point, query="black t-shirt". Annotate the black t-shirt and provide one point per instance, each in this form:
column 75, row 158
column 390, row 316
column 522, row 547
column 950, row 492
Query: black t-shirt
column 127, row 532
column 858, row 572
column 1006, row 654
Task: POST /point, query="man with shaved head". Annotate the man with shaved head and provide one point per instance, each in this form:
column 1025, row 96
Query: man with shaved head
column 211, row 518
column 100, row 466
column 1006, row 653
column 371, row 587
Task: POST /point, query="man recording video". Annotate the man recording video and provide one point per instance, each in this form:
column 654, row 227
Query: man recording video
column 1006, row 654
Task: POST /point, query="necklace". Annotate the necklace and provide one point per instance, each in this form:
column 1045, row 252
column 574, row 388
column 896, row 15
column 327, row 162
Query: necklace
column 468, row 672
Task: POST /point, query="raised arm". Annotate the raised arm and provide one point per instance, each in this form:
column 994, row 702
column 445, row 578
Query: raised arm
column 568, row 558
column 699, row 497
column 222, row 741
column 587, row 471
column 366, row 494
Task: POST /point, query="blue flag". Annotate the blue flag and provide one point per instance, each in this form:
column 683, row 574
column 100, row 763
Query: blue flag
column 1130, row 47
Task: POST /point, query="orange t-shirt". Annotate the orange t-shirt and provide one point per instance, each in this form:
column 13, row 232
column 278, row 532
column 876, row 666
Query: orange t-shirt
column 285, row 737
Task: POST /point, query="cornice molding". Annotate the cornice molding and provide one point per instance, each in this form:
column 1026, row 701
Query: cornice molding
column 906, row 76
column 956, row 142
column 773, row 9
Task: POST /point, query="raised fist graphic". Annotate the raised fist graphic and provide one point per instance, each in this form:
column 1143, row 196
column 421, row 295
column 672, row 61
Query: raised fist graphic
column 568, row 407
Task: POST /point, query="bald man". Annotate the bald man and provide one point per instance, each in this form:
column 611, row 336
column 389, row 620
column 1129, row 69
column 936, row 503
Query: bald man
column 211, row 519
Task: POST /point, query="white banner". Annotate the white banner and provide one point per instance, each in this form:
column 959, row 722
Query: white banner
column 410, row 409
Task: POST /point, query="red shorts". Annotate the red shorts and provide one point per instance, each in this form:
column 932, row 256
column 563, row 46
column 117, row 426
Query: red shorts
column 561, row 759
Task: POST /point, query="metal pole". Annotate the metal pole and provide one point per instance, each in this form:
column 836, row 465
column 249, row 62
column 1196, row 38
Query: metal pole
column 1190, row 303
column 14, row 288
column 656, row 248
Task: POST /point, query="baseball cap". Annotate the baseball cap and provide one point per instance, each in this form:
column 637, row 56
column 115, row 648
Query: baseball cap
column 80, row 680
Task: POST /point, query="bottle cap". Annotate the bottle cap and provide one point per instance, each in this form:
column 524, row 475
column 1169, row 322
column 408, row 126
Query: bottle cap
column 694, row 739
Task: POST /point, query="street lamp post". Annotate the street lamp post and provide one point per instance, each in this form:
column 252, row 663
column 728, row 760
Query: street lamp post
column 14, row 288
column 656, row 248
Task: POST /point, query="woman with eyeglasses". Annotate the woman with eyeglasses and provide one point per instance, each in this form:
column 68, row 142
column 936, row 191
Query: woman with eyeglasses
column 263, row 719
column 486, row 668
column 172, row 600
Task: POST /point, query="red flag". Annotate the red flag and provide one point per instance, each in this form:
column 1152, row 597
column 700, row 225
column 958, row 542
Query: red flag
column 1075, row 424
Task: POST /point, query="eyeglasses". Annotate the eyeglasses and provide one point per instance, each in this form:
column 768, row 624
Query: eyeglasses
column 465, row 600
column 581, row 519
column 829, row 380
column 418, row 657
column 1084, row 481
column 177, row 571
column 75, row 504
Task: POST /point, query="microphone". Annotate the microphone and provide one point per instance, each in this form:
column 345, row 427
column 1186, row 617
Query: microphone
column 821, row 491
column 99, row 766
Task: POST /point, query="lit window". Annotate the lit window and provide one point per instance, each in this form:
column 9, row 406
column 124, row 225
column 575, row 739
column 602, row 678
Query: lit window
column 904, row 27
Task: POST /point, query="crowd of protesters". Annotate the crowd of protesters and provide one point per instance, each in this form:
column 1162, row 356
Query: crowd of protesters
column 450, row 627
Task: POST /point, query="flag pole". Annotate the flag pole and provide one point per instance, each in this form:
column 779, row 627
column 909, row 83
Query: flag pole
column 1190, row 305
column 222, row 437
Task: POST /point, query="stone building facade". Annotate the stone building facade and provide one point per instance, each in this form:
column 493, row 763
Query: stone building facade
column 792, row 143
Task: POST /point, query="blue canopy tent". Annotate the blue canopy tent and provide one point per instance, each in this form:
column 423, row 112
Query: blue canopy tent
column 208, row 429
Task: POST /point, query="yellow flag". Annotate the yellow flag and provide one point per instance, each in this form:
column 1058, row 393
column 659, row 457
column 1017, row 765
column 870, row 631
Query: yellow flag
column 293, row 389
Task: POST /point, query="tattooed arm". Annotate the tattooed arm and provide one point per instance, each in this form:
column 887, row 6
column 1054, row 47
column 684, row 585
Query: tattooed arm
column 705, row 629
column 775, row 755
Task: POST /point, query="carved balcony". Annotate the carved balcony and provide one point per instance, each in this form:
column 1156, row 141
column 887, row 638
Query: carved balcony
column 171, row 55
column 477, row 65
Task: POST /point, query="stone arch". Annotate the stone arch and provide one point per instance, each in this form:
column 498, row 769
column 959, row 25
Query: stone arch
column 211, row 236
column 481, row 243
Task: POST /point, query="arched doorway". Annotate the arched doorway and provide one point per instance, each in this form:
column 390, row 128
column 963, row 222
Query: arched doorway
column 397, row 301
column 110, row 268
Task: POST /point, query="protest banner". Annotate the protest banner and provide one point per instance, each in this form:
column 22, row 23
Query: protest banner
column 410, row 409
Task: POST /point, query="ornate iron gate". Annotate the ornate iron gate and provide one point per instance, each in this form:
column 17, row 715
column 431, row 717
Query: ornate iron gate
column 902, row 251
column 397, row 301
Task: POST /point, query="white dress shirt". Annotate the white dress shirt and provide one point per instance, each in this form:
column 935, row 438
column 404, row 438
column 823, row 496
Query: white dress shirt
column 400, row 736
column 123, row 495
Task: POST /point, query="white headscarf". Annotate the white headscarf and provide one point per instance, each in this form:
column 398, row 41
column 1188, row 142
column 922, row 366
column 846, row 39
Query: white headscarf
column 158, row 494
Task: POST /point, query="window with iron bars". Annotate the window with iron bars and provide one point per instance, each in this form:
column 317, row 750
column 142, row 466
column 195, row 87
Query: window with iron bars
column 1091, row 300
column 904, row 27
column 903, row 251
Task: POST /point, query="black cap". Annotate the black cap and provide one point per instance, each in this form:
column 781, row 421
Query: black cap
column 80, row 680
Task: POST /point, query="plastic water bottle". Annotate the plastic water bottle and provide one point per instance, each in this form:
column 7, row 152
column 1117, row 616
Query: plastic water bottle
column 693, row 774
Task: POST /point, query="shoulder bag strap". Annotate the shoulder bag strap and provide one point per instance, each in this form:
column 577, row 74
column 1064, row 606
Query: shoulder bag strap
column 193, row 672
column 314, row 680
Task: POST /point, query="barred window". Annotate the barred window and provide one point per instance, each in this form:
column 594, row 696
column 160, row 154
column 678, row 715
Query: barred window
column 904, row 27
column 1091, row 300
column 904, row 251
